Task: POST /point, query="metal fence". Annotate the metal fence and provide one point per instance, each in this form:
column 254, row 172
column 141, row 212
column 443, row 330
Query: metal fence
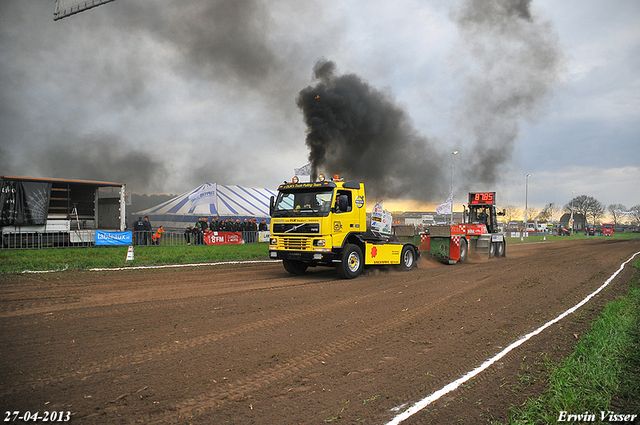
column 36, row 240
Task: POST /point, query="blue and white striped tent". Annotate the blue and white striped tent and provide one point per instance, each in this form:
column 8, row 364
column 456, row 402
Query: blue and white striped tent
column 211, row 200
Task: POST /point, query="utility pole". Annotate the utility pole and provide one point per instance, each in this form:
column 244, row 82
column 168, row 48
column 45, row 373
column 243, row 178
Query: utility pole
column 526, row 206
column 453, row 154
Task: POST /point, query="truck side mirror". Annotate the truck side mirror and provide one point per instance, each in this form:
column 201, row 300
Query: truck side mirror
column 272, row 201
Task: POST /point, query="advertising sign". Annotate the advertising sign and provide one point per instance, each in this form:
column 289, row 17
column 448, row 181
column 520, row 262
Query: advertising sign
column 381, row 220
column 222, row 238
column 113, row 238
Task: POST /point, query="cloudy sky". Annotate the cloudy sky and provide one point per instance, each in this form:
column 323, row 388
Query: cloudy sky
column 164, row 95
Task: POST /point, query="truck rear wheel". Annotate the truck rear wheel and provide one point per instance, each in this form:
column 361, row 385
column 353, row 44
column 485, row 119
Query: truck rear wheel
column 464, row 249
column 500, row 249
column 492, row 249
column 294, row 267
column 352, row 262
column 407, row 258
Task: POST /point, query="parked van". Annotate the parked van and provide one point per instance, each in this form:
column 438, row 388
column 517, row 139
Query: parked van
column 541, row 227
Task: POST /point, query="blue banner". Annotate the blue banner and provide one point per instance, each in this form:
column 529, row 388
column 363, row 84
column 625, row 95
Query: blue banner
column 113, row 238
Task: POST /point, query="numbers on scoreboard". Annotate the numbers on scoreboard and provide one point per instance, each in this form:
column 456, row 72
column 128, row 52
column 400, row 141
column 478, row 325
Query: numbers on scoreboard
column 480, row 198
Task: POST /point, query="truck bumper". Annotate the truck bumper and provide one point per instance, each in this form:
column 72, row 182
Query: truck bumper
column 308, row 257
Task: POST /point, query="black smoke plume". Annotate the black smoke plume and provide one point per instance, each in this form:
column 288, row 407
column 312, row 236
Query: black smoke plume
column 517, row 59
column 356, row 130
column 361, row 133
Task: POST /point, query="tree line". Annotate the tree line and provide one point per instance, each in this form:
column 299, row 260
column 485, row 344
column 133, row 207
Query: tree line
column 593, row 210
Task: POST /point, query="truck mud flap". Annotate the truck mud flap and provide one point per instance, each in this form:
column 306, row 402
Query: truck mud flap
column 483, row 246
column 490, row 246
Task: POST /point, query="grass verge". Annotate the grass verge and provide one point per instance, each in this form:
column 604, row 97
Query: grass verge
column 19, row 260
column 601, row 375
column 576, row 236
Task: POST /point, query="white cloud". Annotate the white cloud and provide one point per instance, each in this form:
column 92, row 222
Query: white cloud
column 607, row 185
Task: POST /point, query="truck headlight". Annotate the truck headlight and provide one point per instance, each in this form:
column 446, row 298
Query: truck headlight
column 273, row 241
column 319, row 242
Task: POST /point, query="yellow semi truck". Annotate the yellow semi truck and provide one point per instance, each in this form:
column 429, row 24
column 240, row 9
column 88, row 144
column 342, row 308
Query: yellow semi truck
column 324, row 223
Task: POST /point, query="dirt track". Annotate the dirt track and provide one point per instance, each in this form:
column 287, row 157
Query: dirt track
column 252, row 344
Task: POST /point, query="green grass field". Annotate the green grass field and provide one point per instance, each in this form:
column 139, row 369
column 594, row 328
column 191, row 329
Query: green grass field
column 19, row 260
column 579, row 236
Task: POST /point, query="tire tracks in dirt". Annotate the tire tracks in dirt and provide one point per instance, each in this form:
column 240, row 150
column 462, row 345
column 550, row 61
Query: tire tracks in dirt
column 241, row 388
column 156, row 352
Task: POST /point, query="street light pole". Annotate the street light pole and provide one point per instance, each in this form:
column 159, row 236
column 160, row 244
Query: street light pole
column 526, row 198
column 453, row 154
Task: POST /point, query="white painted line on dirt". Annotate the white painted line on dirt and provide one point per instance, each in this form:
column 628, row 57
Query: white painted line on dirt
column 46, row 271
column 455, row 384
column 167, row 266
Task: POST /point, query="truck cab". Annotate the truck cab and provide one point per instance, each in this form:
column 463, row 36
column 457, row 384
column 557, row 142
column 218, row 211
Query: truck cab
column 324, row 223
column 607, row 229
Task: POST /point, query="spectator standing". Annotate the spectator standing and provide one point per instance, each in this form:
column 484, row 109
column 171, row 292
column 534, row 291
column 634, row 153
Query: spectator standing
column 158, row 236
column 197, row 231
column 188, row 233
column 138, row 229
column 147, row 230
column 205, row 229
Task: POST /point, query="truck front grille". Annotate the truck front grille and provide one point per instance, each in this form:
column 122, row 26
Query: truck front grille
column 296, row 228
column 298, row 244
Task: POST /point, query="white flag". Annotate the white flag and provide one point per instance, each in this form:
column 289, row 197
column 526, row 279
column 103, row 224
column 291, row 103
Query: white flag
column 206, row 195
column 571, row 221
column 444, row 209
column 305, row 170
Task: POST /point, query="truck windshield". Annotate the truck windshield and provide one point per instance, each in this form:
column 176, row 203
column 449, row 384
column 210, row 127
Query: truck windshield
column 303, row 203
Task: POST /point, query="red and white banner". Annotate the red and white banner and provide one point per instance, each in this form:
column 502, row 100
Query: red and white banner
column 222, row 238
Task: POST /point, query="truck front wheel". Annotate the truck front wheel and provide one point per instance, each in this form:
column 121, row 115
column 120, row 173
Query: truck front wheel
column 294, row 267
column 352, row 262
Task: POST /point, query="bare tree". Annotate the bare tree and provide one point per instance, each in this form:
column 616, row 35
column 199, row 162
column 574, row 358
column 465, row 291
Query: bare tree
column 635, row 213
column 511, row 213
column 595, row 209
column 579, row 204
column 617, row 212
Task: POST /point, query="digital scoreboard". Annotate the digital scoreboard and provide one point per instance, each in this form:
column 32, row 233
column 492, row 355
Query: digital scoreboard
column 482, row 198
